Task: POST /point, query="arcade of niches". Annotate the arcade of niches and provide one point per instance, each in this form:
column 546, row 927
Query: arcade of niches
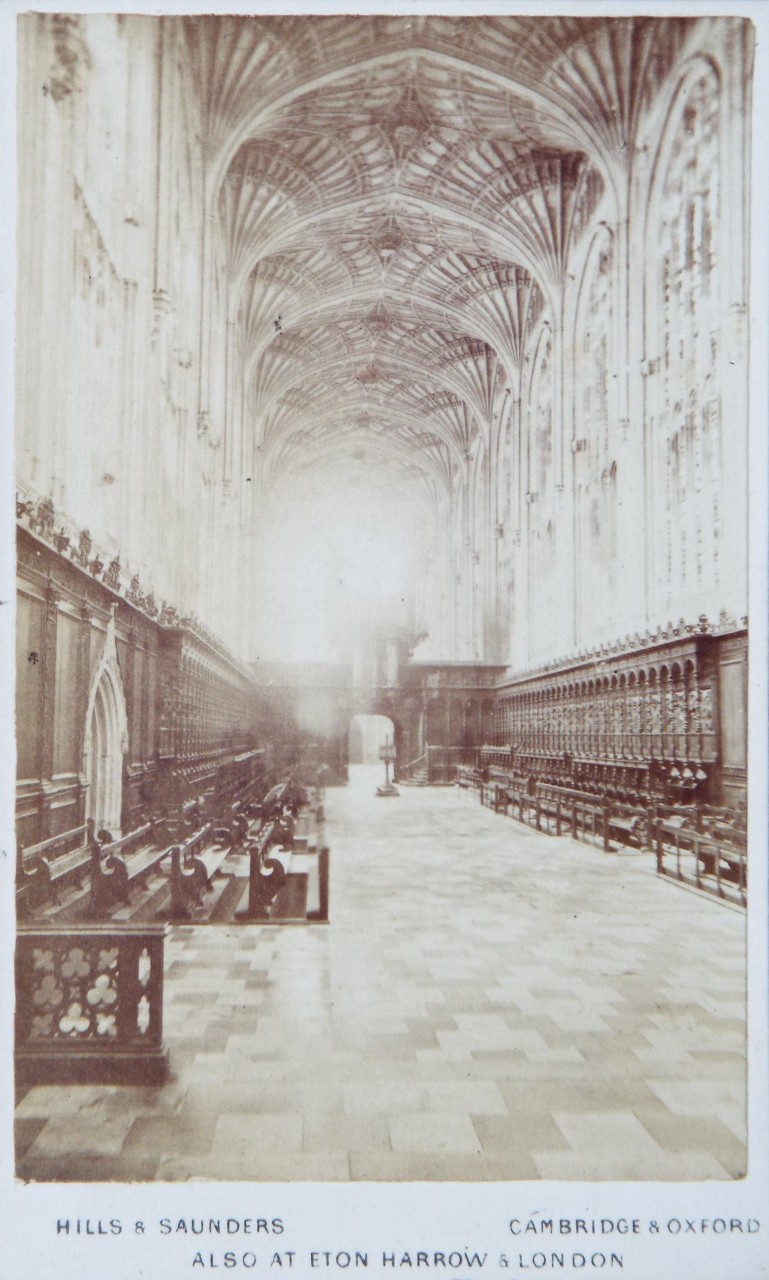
column 494, row 266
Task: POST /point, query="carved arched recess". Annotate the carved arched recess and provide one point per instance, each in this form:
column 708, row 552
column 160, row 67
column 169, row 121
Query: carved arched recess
column 595, row 471
column 683, row 324
column 106, row 739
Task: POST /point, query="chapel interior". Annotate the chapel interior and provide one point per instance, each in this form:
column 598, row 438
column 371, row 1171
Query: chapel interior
column 382, row 423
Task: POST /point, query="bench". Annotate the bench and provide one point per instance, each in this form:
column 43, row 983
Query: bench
column 113, row 876
column 582, row 814
column 562, row 808
column 51, row 865
column 727, row 825
column 267, row 872
column 193, row 812
column 506, row 797
column 281, row 806
column 548, row 805
column 230, row 822
column 488, row 792
column 628, row 830
column 274, row 800
column 497, row 788
column 303, row 895
column 631, row 825
column 725, row 863
column 231, row 825
column 194, row 863
column 284, row 795
column 499, row 796
column 250, row 794
column 673, row 824
column 725, row 831
column 716, row 866
column 467, row 776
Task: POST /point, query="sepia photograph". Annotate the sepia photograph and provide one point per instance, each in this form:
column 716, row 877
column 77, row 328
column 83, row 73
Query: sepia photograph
column 382, row 475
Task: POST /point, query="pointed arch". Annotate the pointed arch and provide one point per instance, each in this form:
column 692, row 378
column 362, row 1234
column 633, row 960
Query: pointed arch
column 106, row 738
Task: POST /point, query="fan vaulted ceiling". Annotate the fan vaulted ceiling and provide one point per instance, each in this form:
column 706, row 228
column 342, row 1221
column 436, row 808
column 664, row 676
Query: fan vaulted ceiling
column 397, row 197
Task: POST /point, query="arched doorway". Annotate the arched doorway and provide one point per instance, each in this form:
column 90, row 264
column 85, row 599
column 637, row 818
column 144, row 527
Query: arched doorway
column 367, row 736
column 106, row 740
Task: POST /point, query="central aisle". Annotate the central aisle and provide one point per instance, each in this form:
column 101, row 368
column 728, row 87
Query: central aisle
column 486, row 1003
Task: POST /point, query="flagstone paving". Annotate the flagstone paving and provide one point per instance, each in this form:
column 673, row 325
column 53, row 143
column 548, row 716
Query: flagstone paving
column 486, row 1003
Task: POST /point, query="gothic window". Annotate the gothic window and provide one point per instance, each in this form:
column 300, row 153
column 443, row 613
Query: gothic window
column 542, row 436
column 688, row 428
column 595, row 472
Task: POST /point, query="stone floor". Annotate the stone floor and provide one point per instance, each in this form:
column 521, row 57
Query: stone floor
column 486, row 1003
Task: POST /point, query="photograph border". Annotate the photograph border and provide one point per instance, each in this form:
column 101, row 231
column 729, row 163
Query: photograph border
column 396, row 1218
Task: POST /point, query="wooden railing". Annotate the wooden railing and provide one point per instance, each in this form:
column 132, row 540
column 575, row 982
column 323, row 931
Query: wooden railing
column 443, row 762
column 89, row 1004
column 717, row 866
column 547, row 811
column 706, row 848
column 468, row 776
column 418, row 765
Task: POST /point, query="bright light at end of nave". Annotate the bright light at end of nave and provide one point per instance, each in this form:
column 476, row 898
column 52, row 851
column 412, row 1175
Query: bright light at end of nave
column 342, row 558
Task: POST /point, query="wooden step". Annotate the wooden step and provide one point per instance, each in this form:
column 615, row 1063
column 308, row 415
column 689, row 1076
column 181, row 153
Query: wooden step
column 146, row 903
column 291, row 901
column 228, row 901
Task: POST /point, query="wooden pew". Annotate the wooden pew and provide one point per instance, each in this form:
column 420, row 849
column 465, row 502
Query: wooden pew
column 194, row 864
column 499, row 789
column 715, row 865
column 628, row 826
column 267, row 873
column 117, row 866
column 250, row 795
column 560, row 809
column 281, row 806
column 231, row 825
column 272, row 805
column 513, row 799
column 45, row 869
column 469, row 776
column 285, row 795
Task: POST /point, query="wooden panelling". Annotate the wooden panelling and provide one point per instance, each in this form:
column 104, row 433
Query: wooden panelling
column 733, row 707
column 29, row 632
column 66, row 710
column 135, row 708
column 204, row 699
